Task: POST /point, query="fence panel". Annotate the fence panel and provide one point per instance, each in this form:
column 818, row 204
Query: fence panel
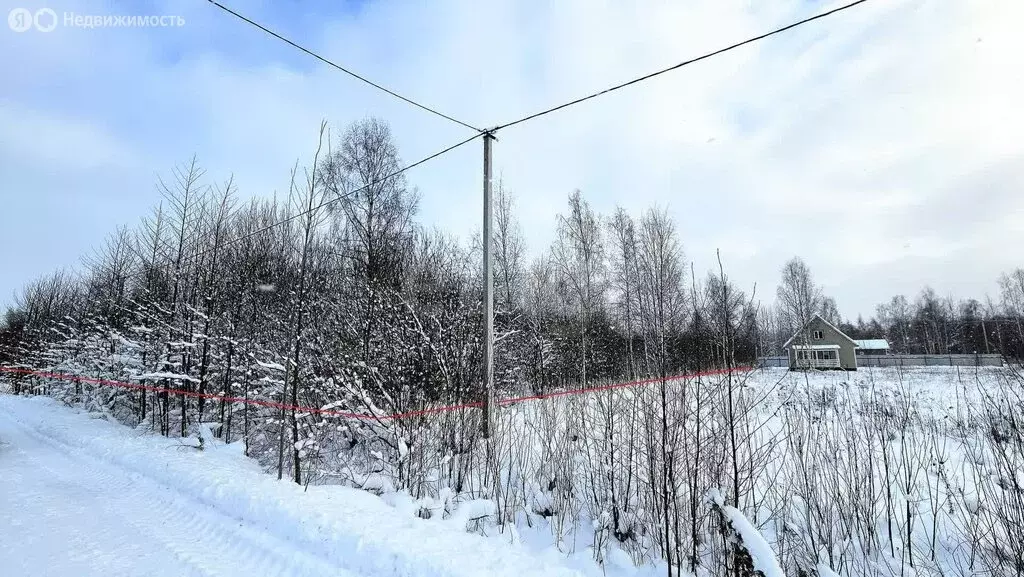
column 905, row 361
column 772, row 362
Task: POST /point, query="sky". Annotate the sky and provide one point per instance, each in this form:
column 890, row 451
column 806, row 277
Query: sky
column 882, row 145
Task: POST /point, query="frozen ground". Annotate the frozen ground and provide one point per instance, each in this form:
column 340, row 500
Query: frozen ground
column 80, row 496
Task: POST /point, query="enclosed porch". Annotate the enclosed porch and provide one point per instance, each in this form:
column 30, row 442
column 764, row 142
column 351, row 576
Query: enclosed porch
column 822, row 356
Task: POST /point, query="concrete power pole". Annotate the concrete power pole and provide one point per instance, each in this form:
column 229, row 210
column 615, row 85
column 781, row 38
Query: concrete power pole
column 488, row 403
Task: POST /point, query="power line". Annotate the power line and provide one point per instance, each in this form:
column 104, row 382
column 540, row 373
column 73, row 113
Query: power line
column 680, row 65
column 341, row 68
column 479, row 132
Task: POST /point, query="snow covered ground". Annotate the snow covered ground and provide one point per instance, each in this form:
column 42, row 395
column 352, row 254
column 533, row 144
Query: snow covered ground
column 80, row 496
column 930, row 446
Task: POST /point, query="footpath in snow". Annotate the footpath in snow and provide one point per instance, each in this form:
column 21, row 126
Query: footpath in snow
column 80, row 496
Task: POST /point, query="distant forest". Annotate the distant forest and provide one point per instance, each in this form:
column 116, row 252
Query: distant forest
column 927, row 324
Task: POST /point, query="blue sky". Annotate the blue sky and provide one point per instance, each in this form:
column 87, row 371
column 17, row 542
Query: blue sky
column 882, row 144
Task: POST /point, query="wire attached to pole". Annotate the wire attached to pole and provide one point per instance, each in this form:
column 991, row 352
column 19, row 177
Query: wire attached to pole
column 341, row 68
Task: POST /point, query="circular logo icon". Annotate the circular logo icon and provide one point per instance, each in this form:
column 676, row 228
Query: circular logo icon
column 20, row 19
column 45, row 20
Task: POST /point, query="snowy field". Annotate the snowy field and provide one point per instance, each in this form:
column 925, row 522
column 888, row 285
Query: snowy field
column 915, row 471
column 876, row 472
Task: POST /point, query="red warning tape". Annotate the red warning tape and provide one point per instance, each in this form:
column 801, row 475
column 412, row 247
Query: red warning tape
column 347, row 415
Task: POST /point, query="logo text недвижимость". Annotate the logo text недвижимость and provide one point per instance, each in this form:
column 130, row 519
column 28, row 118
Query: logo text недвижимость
column 46, row 20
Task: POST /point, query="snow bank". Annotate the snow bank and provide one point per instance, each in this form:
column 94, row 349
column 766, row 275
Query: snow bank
column 760, row 552
column 353, row 529
column 165, row 375
column 755, row 544
column 271, row 366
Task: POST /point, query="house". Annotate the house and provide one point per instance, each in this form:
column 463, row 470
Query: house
column 872, row 347
column 820, row 345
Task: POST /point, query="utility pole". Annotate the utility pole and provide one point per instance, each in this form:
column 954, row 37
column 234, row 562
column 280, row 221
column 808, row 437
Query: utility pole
column 488, row 403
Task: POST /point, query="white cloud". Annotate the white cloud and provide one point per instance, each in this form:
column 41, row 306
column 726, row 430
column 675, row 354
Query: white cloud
column 874, row 143
column 60, row 142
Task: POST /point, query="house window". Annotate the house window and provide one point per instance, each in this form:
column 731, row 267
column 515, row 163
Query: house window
column 818, row 335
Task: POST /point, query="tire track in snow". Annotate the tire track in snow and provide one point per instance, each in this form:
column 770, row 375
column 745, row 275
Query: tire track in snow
column 207, row 542
column 65, row 527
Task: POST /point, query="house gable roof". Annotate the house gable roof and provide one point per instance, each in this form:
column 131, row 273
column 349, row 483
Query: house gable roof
column 818, row 317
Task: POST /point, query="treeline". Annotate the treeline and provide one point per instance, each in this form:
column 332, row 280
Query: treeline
column 927, row 324
column 335, row 294
column 340, row 280
column 933, row 325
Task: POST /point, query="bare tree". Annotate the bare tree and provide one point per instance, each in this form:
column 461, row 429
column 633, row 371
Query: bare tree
column 307, row 201
column 624, row 267
column 829, row 310
column 1011, row 286
column 185, row 197
column 895, row 317
column 661, row 264
column 378, row 207
column 110, row 271
column 579, row 255
column 540, row 306
column 217, row 225
column 509, row 249
column 799, row 298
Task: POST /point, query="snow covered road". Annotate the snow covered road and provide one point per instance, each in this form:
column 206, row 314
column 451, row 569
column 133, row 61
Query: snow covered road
column 73, row 515
column 80, row 496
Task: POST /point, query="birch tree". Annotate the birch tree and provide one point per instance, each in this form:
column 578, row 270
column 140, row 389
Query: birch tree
column 578, row 254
